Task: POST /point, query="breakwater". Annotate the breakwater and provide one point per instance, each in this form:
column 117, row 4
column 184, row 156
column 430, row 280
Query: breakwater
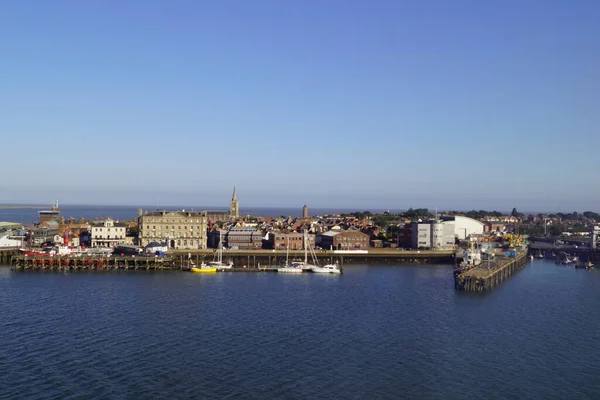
column 490, row 274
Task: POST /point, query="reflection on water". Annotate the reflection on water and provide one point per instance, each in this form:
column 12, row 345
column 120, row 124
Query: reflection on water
column 373, row 332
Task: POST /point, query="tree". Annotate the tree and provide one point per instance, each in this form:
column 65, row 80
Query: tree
column 514, row 212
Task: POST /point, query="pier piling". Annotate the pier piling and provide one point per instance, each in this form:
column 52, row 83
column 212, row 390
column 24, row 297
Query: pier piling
column 489, row 275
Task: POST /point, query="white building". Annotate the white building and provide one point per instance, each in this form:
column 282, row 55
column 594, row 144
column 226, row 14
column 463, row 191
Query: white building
column 108, row 233
column 432, row 234
column 594, row 236
column 464, row 226
column 153, row 247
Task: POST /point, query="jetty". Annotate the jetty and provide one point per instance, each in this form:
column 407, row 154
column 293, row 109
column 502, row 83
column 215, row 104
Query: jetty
column 489, row 274
column 255, row 260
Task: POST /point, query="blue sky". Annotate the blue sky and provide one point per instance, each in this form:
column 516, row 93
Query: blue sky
column 384, row 104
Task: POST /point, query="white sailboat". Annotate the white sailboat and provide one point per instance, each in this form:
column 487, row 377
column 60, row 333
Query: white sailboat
column 218, row 263
column 327, row 269
column 305, row 266
column 294, row 267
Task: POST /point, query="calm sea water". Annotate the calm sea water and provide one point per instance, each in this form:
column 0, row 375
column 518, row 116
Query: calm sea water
column 375, row 332
column 30, row 215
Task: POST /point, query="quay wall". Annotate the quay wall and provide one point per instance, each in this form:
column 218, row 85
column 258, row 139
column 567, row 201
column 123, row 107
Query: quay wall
column 488, row 276
column 248, row 259
column 275, row 257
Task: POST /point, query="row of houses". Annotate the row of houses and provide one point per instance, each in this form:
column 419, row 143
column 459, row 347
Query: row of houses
column 191, row 230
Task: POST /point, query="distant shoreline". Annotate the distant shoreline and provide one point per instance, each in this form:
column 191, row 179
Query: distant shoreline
column 21, row 207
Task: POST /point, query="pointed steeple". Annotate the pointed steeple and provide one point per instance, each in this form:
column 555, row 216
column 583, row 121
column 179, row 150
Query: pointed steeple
column 234, row 205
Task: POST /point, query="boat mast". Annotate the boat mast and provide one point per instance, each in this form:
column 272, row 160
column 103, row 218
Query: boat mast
column 305, row 247
column 287, row 249
column 220, row 249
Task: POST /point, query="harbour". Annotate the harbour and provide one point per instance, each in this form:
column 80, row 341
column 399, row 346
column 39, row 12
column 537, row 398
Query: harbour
column 97, row 334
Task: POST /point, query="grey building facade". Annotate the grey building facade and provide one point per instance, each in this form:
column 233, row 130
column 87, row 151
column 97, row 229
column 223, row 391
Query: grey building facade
column 432, row 235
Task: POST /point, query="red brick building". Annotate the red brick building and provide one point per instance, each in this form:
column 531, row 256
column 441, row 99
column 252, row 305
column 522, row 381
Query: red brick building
column 295, row 241
column 244, row 238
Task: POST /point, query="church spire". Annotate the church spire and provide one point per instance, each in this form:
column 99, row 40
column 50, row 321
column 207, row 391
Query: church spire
column 234, row 205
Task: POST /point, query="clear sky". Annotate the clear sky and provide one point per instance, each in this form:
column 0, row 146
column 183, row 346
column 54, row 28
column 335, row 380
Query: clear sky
column 331, row 103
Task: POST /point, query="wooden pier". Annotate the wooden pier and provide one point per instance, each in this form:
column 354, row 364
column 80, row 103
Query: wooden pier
column 21, row 262
column 246, row 261
column 488, row 275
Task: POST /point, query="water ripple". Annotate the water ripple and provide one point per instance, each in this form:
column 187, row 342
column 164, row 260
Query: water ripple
column 378, row 332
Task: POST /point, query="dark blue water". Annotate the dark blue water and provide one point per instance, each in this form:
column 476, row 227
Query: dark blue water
column 373, row 333
column 30, row 215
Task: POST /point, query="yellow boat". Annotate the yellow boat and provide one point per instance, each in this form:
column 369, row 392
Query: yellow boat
column 203, row 270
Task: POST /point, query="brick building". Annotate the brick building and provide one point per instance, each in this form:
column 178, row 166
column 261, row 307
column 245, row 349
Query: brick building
column 244, row 238
column 294, row 240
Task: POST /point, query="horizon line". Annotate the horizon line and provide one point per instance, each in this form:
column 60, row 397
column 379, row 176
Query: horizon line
column 341, row 208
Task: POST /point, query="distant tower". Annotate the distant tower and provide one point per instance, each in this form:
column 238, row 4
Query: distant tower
column 305, row 212
column 234, row 205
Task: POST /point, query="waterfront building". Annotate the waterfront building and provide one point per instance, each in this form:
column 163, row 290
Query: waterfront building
column 464, row 226
column 244, row 238
column 108, row 233
column 50, row 217
column 154, row 247
column 40, row 235
column 433, row 234
column 179, row 229
column 345, row 240
column 294, row 240
column 595, row 236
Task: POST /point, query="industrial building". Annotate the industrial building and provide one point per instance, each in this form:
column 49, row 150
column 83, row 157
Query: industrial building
column 433, row 234
column 464, row 226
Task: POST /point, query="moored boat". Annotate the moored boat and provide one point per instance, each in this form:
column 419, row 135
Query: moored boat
column 36, row 253
column 327, row 269
column 203, row 269
column 218, row 263
column 297, row 266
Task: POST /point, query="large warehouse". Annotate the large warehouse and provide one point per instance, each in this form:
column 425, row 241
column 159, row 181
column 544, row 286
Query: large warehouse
column 464, row 226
